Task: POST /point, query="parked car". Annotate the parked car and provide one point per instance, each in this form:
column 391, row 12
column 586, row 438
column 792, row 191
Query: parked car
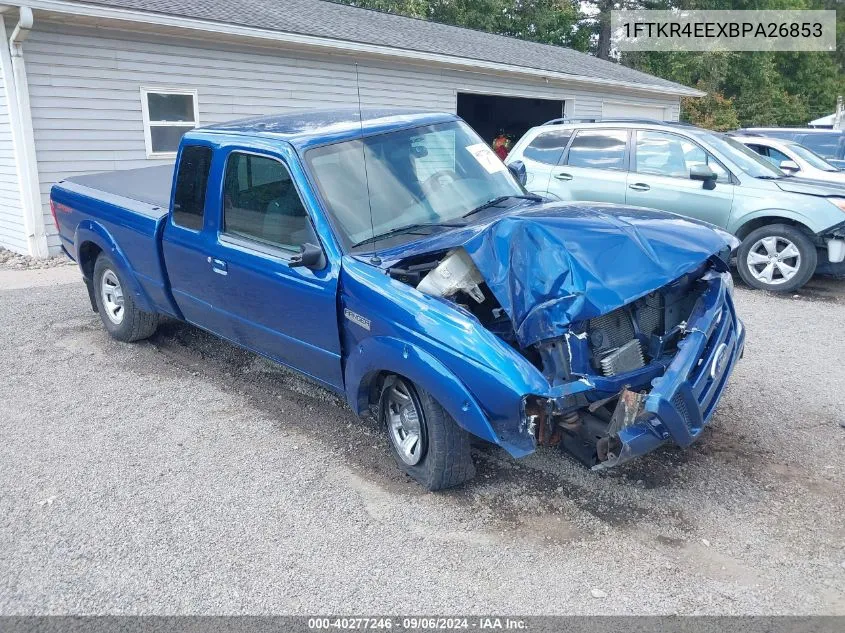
column 789, row 227
column 793, row 158
column 395, row 260
column 829, row 144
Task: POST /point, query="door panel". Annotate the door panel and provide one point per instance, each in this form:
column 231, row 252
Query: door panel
column 289, row 314
column 659, row 178
column 594, row 167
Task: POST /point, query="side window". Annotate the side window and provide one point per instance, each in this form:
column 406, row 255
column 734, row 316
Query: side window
column 599, row 149
column 777, row 157
column 670, row 155
column 547, row 147
column 191, row 183
column 260, row 202
column 825, row 145
column 759, row 149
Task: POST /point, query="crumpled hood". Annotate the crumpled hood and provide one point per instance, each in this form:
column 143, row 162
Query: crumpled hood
column 558, row 263
column 811, row 187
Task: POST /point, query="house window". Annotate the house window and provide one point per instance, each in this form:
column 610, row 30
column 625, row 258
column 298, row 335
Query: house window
column 168, row 114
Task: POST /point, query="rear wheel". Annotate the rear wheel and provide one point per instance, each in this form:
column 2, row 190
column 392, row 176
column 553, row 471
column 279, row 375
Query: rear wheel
column 426, row 442
column 777, row 257
column 118, row 312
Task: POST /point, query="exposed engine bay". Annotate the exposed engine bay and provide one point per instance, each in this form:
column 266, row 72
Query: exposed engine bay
column 620, row 352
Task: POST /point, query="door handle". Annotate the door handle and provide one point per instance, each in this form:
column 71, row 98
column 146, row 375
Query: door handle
column 639, row 186
column 563, row 176
column 218, row 266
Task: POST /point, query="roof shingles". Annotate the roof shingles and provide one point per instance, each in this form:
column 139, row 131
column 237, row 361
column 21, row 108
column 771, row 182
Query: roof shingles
column 320, row 18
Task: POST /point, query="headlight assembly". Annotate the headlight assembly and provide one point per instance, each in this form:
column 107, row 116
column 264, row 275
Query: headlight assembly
column 729, row 282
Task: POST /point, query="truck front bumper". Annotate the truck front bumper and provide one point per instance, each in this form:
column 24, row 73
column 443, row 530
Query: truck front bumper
column 683, row 400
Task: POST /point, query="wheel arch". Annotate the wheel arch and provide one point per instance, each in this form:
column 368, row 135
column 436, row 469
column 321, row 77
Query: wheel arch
column 753, row 223
column 379, row 357
column 92, row 239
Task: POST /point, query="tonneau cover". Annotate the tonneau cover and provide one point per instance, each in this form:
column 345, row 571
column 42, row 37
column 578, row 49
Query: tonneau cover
column 147, row 184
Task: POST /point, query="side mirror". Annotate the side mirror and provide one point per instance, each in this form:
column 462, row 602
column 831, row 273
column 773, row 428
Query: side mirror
column 789, row 166
column 517, row 168
column 704, row 174
column 309, row 256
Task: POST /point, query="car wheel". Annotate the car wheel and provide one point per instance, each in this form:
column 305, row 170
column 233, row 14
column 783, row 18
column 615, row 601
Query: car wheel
column 118, row 312
column 776, row 257
column 426, row 442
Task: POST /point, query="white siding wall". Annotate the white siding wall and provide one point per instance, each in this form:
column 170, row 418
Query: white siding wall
column 86, row 106
column 12, row 231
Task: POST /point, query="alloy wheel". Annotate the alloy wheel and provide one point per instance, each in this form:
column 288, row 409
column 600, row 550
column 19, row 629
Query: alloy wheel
column 774, row 260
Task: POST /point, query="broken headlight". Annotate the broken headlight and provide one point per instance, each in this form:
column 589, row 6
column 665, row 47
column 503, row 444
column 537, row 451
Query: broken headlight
column 729, row 282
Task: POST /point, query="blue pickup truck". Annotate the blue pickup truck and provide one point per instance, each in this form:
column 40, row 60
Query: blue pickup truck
column 391, row 257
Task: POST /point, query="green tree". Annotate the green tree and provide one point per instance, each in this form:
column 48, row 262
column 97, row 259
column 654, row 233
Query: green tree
column 545, row 21
column 753, row 88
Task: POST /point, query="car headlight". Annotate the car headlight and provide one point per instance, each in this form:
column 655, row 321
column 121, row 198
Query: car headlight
column 730, row 239
column 839, row 202
column 729, row 282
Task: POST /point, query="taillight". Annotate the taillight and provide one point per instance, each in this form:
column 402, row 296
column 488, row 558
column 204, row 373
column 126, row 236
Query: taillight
column 53, row 212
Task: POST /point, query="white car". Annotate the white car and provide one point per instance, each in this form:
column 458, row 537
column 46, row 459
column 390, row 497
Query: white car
column 793, row 158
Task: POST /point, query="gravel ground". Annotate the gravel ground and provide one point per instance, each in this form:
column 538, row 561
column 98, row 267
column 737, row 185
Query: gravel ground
column 15, row 261
column 182, row 475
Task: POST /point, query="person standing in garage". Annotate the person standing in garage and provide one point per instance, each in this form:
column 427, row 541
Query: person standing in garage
column 502, row 145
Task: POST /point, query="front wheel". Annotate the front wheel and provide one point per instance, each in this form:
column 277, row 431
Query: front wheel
column 776, row 257
column 118, row 312
column 426, row 442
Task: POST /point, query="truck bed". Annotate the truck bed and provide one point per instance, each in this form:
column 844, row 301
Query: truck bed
column 123, row 212
column 147, row 184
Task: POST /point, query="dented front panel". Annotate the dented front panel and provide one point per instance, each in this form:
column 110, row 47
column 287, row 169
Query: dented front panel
column 581, row 326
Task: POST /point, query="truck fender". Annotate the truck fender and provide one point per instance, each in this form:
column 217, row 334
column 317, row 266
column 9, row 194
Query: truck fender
column 384, row 354
column 90, row 231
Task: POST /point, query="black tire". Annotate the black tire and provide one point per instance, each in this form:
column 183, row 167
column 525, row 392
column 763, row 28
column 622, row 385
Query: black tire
column 445, row 459
column 134, row 323
column 783, row 234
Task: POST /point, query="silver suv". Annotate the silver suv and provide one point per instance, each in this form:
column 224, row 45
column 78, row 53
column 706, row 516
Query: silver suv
column 790, row 228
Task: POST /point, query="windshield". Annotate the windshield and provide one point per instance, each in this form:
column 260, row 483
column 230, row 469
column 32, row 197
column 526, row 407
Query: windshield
column 429, row 175
column 745, row 158
column 812, row 158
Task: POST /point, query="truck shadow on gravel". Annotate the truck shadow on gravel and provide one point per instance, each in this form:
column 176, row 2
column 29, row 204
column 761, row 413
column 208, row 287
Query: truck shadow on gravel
column 537, row 493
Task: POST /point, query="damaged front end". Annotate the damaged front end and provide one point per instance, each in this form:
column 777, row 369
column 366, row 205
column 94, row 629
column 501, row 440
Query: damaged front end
column 629, row 365
column 657, row 368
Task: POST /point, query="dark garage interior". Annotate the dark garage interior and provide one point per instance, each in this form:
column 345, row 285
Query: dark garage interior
column 489, row 114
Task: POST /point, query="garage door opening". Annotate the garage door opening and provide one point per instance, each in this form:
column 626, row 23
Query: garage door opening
column 490, row 114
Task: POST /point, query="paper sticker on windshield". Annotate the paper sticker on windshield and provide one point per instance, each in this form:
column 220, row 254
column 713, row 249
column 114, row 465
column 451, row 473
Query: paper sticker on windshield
column 486, row 158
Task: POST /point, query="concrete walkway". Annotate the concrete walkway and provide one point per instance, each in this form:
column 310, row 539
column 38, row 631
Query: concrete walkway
column 38, row 278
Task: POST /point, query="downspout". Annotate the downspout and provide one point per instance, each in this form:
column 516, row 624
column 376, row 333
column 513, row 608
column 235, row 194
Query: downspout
column 23, row 138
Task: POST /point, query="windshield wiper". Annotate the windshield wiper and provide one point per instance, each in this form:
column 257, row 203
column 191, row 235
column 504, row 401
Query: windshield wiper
column 499, row 200
column 406, row 229
column 768, row 177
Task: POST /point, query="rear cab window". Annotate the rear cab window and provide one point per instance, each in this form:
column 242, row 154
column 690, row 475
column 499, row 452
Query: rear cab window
column 598, row 149
column 191, row 185
column 261, row 203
